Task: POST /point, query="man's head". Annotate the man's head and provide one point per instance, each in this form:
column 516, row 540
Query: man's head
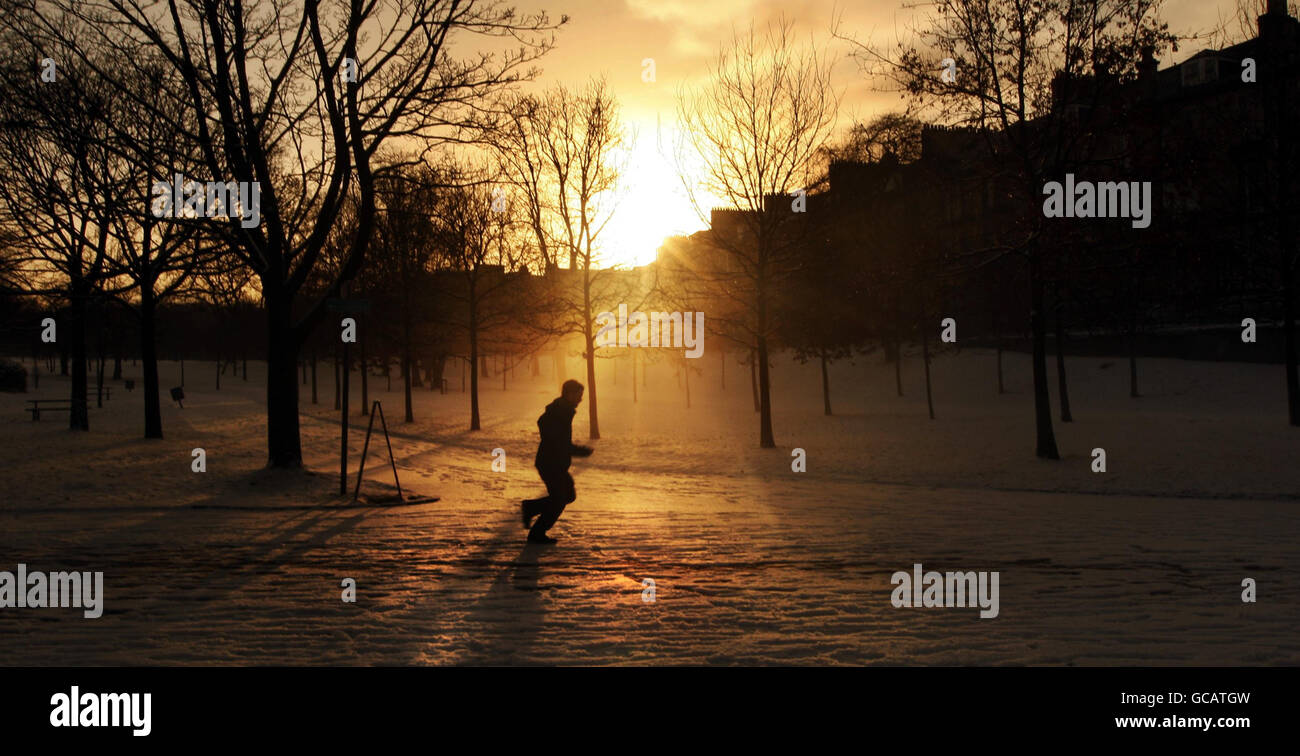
column 571, row 391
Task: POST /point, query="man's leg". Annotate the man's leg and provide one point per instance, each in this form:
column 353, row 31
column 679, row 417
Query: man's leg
column 530, row 508
column 559, row 489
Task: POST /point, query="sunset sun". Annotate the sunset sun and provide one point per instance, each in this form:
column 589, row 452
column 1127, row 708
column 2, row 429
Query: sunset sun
column 652, row 206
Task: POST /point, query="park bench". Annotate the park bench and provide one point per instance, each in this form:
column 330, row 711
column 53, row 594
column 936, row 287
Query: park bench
column 56, row 405
column 50, row 405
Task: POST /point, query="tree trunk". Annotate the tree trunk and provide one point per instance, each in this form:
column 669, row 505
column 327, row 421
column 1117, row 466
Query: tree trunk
column 1132, row 360
column 826, row 388
column 80, row 414
column 365, row 379
column 898, row 363
column 284, row 448
column 343, row 422
column 766, row 439
column 925, row 359
column 1289, row 335
column 589, row 348
column 592, row 417
column 99, row 383
column 409, row 414
column 99, row 359
column 438, row 369
column 1046, row 438
column 898, row 348
column 1062, row 386
column 997, row 334
column 474, row 356
column 406, row 365
column 753, row 377
column 149, row 353
column 313, row 375
column 1001, row 389
column 1284, row 219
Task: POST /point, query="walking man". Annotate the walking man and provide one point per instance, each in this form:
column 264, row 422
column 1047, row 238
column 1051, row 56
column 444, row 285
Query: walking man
column 554, row 454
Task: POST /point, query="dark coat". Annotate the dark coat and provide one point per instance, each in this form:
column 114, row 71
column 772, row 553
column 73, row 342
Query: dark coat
column 556, row 450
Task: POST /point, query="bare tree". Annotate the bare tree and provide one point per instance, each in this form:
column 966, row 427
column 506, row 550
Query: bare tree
column 758, row 126
column 1027, row 78
column 298, row 99
column 569, row 186
column 157, row 256
column 402, row 256
column 477, row 242
column 60, row 194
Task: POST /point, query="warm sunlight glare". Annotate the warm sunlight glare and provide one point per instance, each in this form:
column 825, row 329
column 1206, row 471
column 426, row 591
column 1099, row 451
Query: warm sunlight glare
column 652, row 206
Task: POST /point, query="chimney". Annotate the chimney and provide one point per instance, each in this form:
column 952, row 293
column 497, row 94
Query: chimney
column 1277, row 26
column 1149, row 65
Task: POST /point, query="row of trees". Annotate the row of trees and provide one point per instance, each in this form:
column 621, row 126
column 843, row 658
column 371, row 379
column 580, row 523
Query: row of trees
column 301, row 98
column 393, row 170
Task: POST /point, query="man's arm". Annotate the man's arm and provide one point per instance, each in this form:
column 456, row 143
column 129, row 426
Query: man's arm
column 578, row 450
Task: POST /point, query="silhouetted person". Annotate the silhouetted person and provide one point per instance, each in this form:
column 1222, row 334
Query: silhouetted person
column 554, row 454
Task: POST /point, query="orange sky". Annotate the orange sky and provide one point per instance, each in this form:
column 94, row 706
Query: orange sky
column 613, row 37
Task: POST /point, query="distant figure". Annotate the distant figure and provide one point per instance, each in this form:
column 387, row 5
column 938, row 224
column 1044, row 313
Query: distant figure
column 554, row 454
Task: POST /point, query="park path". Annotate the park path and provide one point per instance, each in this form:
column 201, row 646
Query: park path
column 746, row 571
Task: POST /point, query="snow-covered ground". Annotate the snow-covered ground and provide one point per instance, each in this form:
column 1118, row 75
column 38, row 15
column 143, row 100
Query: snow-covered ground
column 753, row 563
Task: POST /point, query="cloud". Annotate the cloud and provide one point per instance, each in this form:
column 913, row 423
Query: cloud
column 692, row 12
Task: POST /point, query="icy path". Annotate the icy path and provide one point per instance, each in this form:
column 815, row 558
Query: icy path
column 753, row 564
column 745, row 572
